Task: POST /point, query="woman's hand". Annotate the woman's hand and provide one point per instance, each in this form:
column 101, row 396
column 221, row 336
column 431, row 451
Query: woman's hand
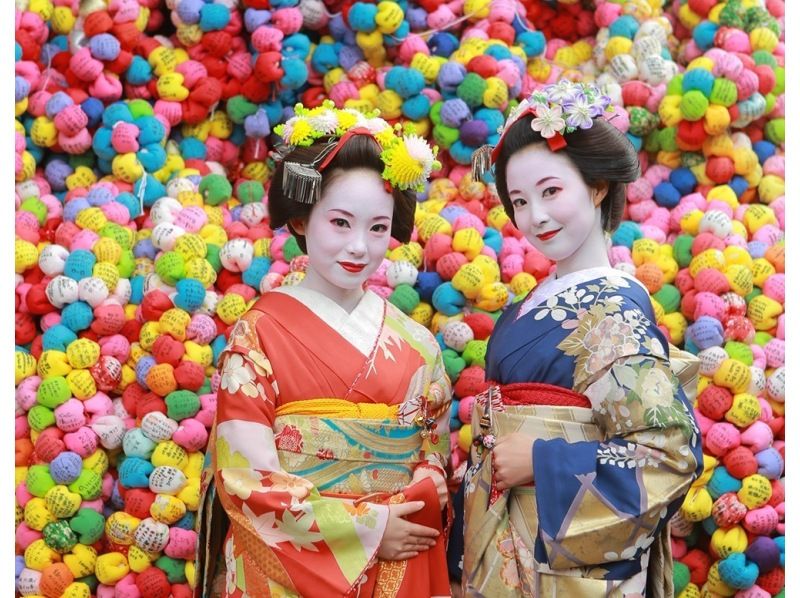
column 420, row 473
column 402, row 539
column 512, row 459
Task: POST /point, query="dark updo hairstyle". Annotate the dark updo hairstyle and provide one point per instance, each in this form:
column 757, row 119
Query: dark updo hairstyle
column 601, row 153
column 360, row 151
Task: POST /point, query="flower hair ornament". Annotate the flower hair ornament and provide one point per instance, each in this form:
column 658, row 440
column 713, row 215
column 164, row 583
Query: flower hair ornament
column 557, row 109
column 407, row 158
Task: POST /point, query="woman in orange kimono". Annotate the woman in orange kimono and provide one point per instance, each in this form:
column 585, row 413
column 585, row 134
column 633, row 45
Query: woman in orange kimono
column 330, row 448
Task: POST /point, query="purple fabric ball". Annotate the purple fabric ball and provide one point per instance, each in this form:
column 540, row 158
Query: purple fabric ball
column 473, row 133
column 56, row 173
column 349, row 55
column 417, row 18
column 99, row 196
column 189, row 11
column 455, row 112
column 254, row 18
column 57, row 102
column 451, row 75
column 764, row 552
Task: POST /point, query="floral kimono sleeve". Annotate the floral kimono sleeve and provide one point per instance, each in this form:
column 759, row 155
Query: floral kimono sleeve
column 286, row 536
column 439, row 397
column 607, row 500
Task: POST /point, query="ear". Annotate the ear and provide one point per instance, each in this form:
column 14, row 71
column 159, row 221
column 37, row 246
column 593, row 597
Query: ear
column 298, row 225
column 599, row 192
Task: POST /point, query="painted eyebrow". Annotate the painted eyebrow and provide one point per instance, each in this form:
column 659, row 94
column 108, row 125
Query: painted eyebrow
column 539, row 182
column 346, row 213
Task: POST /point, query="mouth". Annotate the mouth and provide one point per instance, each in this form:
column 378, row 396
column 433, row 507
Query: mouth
column 548, row 235
column 351, row 267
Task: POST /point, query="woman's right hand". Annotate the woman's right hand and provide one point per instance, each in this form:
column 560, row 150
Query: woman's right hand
column 402, row 539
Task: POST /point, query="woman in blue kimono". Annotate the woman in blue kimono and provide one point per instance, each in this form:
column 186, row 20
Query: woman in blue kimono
column 587, row 444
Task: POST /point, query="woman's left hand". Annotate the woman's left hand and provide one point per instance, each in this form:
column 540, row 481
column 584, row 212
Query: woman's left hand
column 512, row 459
column 438, row 480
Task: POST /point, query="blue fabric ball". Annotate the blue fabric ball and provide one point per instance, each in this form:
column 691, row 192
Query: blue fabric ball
column 79, row 264
column 624, row 26
column 137, row 289
column 683, row 180
column 407, row 82
column 296, row 45
column 101, row 144
column 493, row 238
column 764, row 149
column 217, row 346
column 142, row 367
column 443, row 44
column 186, row 522
column 295, row 73
column 57, row 338
column 93, row 108
column 150, row 130
column 626, row 234
column 152, row 187
column 135, row 473
column 706, row 332
column 426, row 285
column 66, row 467
column 440, row 341
column 118, row 111
column 737, row 571
column 191, row 294
column 192, row 148
column 362, row 17
column 324, row 58
column 739, row 185
column 417, row 107
column 498, row 52
column 258, row 269
column 462, row 153
column 698, row 79
column 152, row 157
column 448, row 300
column 77, row 316
column 721, row 482
column 532, row 43
column 635, row 140
column 666, row 195
column 214, row 17
column 704, row 33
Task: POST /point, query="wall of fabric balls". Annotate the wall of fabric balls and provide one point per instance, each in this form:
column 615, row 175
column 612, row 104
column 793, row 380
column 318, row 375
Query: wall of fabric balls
column 143, row 140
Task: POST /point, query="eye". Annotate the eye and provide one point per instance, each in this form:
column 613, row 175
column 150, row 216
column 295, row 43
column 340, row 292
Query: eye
column 379, row 228
column 550, row 191
column 518, row 202
column 340, row 222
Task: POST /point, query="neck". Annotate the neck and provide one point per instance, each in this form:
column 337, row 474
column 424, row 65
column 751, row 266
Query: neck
column 592, row 254
column 347, row 299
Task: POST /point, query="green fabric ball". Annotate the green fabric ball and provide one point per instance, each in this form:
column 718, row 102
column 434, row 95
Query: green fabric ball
column 642, row 121
column 668, row 139
column 182, row 404
column 174, row 568
column 753, row 294
column 682, row 250
column 405, row 298
column 436, row 113
column 38, row 480
column 475, row 353
column 471, row 90
column 680, row 577
column 127, row 264
column 239, row 108
column 205, row 388
column 780, row 81
column 775, row 131
column 689, row 159
column 215, row 189
column 764, row 57
column 675, row 86
column 59, row 536
column 40, row 417
column 91, row 581
column 170, row 267
column 454, row 364
column 291, row 249
column 445, row 136
column 762, row 338
column 53, row 392
column 140, row 108
column 112, row 230
column 740, row 352
column 35, row 207
column 89, row 485
column 250, row 192
column 212, row 257
column 651, row 142
column 669, row 297
column 693, row 105
column 723, row 92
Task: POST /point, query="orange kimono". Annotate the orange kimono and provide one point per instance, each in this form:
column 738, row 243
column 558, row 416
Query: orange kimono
column 322, row 419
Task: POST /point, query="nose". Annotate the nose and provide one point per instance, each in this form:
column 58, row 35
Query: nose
column 358, row 245
column 539, row 215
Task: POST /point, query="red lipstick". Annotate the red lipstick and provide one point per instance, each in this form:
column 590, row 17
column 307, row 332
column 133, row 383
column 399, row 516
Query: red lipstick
column 548, row 235
column 351, row 267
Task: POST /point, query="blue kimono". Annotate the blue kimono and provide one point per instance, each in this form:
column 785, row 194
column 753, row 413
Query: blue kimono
column 607, row 478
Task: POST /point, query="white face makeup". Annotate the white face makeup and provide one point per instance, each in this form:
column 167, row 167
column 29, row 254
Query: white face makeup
column 556, row 211
column 347, row 235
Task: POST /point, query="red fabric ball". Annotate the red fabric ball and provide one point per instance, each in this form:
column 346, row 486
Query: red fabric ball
column 635, row 93
column 778, row 493
column 699, row 562
column 226, row 279
column 138, row 501
column 773, row 581
column 37, row 301
column 705, row 241
column 480, row 324
column 49, row 444
column 471, row 382
column 181, row 590
column 691, row 135
column 714, row 401
column 149, row 403
column 684, row 281
column 189, row 375
column 688, row 304
column 216, row 43
column 701, row 7
column 107, row 373
column 36, row 347
column 766, row 78
column 132, row 395
column 536, row 264
column 710, row 280
column 720, row 169
column 97, row 23
column 24, row 328
column 108, row 319
column 153, row 583
column 154, row 304
column 740, row 462
column 485, row 66
column 130, row 330
column 168, row 350
column 267, row 68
